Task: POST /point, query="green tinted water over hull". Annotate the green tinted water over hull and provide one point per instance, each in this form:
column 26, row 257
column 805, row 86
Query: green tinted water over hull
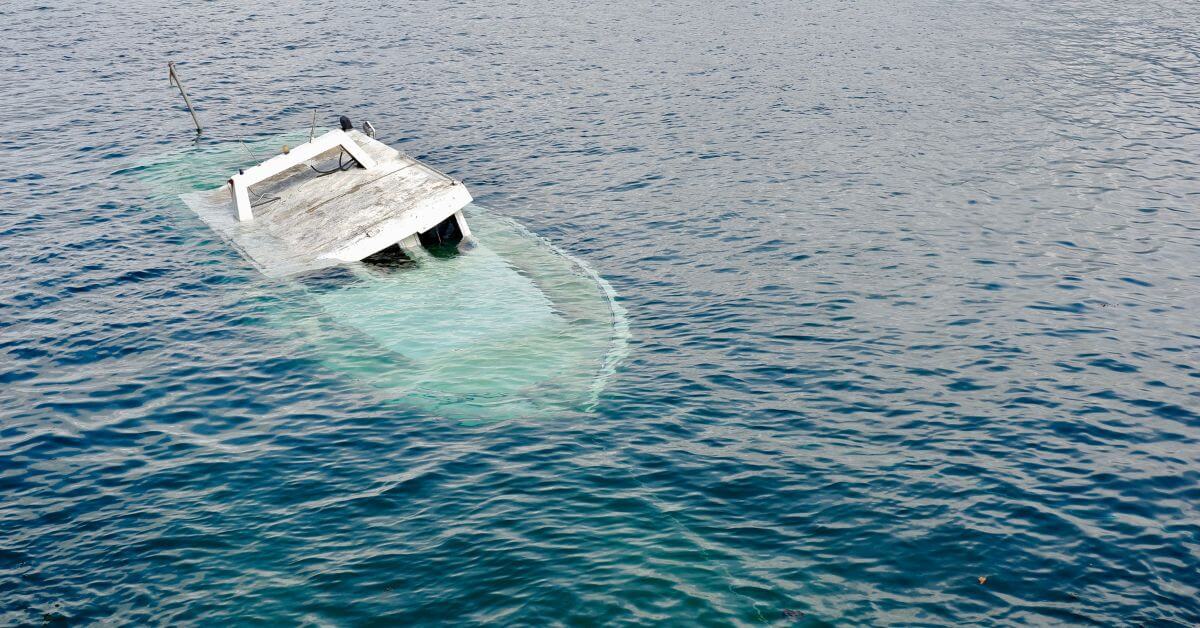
column 510, row 327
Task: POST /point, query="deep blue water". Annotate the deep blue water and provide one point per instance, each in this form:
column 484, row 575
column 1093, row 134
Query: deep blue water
column 912, row 287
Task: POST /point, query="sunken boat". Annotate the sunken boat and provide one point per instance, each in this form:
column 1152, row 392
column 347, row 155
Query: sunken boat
column 412, row 291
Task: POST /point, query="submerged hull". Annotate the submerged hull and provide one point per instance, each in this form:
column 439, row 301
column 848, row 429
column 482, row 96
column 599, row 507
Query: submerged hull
column 510, row 327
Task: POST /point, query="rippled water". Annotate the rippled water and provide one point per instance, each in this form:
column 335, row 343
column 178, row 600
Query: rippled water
column 912, row 291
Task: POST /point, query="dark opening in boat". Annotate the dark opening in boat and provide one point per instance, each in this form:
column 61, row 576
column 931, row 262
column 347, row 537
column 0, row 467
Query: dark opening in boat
column 443, row 239
column 391, row 258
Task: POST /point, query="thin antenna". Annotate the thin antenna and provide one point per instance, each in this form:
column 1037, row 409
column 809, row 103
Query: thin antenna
column 248, row 150
column 174, row 80
column 313, row 129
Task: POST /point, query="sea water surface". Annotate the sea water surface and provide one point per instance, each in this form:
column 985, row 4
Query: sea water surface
column 912, row 287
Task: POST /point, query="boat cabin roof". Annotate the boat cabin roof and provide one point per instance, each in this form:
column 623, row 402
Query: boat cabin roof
column 301, row 210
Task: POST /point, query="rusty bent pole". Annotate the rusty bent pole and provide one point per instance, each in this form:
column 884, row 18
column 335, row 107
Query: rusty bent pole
column 174, row 80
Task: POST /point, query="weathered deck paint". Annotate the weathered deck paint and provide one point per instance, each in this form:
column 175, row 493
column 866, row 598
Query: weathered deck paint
column 320, row 221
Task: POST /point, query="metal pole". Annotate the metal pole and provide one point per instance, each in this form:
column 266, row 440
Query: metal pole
column 174, row 78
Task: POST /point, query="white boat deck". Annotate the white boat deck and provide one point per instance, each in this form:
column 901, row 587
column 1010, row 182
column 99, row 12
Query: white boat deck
column 345, row 216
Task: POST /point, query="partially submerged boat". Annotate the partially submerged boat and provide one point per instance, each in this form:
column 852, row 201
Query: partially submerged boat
column 289, row 214
column 425, row 298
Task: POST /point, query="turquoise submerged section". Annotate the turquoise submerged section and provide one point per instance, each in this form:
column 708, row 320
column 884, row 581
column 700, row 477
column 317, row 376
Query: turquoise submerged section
column 511, row 327
column 503, row 326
